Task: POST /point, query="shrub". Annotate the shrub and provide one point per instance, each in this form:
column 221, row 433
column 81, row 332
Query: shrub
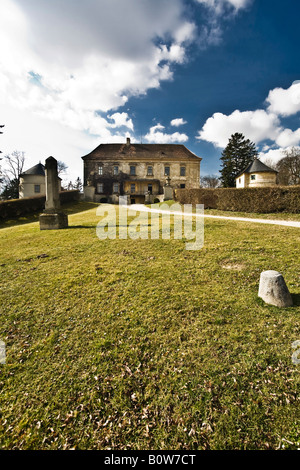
column 19, row 207
column 260, row 200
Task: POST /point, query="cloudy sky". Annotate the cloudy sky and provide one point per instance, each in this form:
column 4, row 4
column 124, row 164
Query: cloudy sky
column 74, row 74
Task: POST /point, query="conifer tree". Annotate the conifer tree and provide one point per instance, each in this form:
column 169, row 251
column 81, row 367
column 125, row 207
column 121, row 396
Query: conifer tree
column 237, row 155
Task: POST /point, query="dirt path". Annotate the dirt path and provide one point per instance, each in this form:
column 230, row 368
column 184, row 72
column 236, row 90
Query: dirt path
column 288, row 223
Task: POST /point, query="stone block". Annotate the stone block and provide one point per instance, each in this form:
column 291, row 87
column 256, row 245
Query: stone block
column 273, row 289
column 168, row 193
column 89, row 193
column 55, row 221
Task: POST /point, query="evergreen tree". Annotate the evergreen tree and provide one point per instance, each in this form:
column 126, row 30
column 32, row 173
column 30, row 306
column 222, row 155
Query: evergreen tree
column 238, row 154
column 10, row 190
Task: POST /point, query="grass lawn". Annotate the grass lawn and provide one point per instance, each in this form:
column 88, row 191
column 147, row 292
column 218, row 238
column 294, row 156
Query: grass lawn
column 141, row 344
column 272, row 216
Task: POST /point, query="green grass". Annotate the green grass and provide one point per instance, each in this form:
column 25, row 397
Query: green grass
column 141, row 344
column 273, row 216
column 69, row 208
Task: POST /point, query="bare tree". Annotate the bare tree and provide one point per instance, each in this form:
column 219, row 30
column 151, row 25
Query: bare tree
column 210, row 181
column 61, row 167
column 270, row 163
column 289, row 167
column 1, row 126
column 13, row 167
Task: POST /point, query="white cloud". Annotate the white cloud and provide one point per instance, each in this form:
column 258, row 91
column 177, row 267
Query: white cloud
column 156, row 135
column 218, row 5
column 178, row 122
column 89, row 56
column 67, row 67
column 285, row 102
column 287, row 137
column 274, row 155
column 255, row 125
column 121, row 120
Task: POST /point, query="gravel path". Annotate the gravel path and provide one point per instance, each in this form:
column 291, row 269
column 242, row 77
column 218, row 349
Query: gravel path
column 288, row 223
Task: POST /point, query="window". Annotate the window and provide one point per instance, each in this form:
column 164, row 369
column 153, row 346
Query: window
column 167, row 171
column 100, row 188
column 132, row 188
column 116, row 187
column 100, row 170
column 182, row 171
column 37, row 188
column 240, row 180
column 116, row 170
column 150, row 171
column 253, row 177
column 132, row 170
column 182, row 186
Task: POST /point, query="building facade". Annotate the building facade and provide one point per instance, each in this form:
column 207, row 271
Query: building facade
column 138, row 171
column 256, row 175
column 32, row 182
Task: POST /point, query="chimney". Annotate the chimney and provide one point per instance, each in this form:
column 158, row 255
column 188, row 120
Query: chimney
column 128, row 141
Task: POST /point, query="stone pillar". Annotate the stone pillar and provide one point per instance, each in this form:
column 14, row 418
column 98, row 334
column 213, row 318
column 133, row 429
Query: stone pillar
column 52, row 217
column 168, row 190
column 52, row 186
column 89, row 193
column 273, row 289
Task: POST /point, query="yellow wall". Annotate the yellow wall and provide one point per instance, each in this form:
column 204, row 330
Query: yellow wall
column 262, row 179
column 27, row 183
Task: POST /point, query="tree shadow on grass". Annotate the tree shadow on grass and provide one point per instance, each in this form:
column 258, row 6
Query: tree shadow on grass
column 296, row 299
column 69, row 209
column 81, row 226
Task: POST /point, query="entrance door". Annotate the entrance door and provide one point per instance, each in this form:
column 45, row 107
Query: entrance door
column 150, row 188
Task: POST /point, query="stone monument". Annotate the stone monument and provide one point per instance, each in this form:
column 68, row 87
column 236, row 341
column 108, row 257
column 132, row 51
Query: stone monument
column 168, row 190
column 89, row 190
column 273, row 289
column 52, row 217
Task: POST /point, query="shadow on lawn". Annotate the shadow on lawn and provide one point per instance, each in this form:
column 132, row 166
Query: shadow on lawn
column 69, row 209
column 296, row 299
column 81, row 226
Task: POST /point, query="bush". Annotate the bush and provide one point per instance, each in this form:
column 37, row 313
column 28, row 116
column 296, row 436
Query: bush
column 19, row 207
column 259, row 200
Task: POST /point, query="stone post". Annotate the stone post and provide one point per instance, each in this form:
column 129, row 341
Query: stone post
column 273, row 289
column 168, row 190
column 52, row 188
column 52, row 217
column 89, row 190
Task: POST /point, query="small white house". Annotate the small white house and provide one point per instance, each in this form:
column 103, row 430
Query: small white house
column 33, row 182
column 256, row 175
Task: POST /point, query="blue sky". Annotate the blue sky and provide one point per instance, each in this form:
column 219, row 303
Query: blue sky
column 76, row 74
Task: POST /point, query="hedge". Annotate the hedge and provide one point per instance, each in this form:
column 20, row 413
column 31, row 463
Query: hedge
column 259, row 200
column 19, row 207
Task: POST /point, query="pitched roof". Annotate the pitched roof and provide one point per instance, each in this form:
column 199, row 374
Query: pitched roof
column 137, row 152
column 256, row 167
column 38, row 169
